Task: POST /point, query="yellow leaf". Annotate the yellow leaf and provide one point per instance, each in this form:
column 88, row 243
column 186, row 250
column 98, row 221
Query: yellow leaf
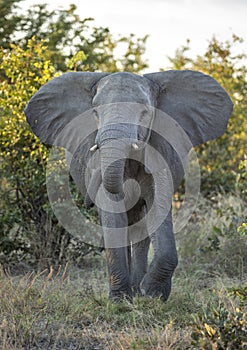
column 211, row 332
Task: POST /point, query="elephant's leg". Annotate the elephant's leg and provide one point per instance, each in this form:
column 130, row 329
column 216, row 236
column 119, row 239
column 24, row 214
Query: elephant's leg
column 115, row 232
column 118, row 270
column 139, row 263
column 157, row 281
column 140, row 241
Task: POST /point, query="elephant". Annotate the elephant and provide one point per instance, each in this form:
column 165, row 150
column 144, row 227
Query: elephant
column 136, row 170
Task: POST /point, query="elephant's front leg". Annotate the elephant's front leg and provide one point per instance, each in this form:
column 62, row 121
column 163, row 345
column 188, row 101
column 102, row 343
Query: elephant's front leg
column 119, row 281
column 157, row 281
column 139, row 263
column 115, row 231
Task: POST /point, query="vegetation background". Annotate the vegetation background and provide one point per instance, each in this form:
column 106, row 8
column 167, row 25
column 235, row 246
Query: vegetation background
column 53, row 291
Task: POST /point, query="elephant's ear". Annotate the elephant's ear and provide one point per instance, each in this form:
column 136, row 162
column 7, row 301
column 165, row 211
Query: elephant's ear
column 195, row 101
column 58, row 102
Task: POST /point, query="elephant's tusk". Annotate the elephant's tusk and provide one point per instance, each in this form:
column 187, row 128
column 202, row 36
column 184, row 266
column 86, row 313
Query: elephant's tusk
column 135, row 146
column 93, row 148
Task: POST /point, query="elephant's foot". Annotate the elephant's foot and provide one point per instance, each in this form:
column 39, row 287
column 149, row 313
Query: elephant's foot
column 136, row 280
column 119, row 296
column 136, row 291
column 153, row 288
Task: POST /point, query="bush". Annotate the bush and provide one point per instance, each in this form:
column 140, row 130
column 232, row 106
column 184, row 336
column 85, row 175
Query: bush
column 223, row 326
column 28, row 226
column 223, row 161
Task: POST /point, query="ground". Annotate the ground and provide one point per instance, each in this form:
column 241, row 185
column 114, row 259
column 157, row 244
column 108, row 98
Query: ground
column 67, row 307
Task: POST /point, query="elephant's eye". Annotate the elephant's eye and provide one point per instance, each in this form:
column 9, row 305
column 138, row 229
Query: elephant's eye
column 144, row 114
column 95, row 113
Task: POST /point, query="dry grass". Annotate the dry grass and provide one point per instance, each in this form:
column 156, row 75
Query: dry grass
column 69, row 309
column 48, row 311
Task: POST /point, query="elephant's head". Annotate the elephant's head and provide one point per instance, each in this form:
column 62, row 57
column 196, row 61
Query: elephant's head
column 120, row 105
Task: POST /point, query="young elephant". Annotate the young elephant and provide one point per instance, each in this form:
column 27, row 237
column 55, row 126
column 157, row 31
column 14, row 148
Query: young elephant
column 140, row 130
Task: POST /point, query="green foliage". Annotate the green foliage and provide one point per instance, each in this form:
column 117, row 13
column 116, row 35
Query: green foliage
column 241, row 179
column 8, row 21
column 28, row 226
column 242, row 229
column 22, row 155
column 211, row 241
column 76, row 60
column 223, row 326
column 132, row 60
column 65, row 34
column 222, row 160
column 213, row 249
column 228, row 228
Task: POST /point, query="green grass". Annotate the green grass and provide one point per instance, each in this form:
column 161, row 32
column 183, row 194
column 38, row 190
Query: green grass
column 69, row 308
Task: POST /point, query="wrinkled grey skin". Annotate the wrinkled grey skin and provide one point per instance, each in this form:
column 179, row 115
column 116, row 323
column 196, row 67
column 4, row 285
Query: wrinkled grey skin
column 195, row 101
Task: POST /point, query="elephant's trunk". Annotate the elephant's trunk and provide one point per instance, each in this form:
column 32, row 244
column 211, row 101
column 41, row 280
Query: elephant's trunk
column 113, row 158
column 115, row 144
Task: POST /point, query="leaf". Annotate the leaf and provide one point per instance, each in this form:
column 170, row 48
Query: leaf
column 217, row 230
column 211, row 331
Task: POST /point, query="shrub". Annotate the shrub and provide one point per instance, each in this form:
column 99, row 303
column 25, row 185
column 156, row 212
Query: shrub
column 223, row 326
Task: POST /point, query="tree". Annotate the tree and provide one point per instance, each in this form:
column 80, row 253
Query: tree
column 28, row 226
column 23, row 157
column 222, row 159
column 65, row 33
column 8, row 21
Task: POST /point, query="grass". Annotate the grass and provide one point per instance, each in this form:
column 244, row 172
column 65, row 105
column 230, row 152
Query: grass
column 69, row 308
column 56, row 312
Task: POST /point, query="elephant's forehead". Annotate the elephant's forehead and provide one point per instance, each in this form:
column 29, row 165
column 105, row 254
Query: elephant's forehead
column 120, row 88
